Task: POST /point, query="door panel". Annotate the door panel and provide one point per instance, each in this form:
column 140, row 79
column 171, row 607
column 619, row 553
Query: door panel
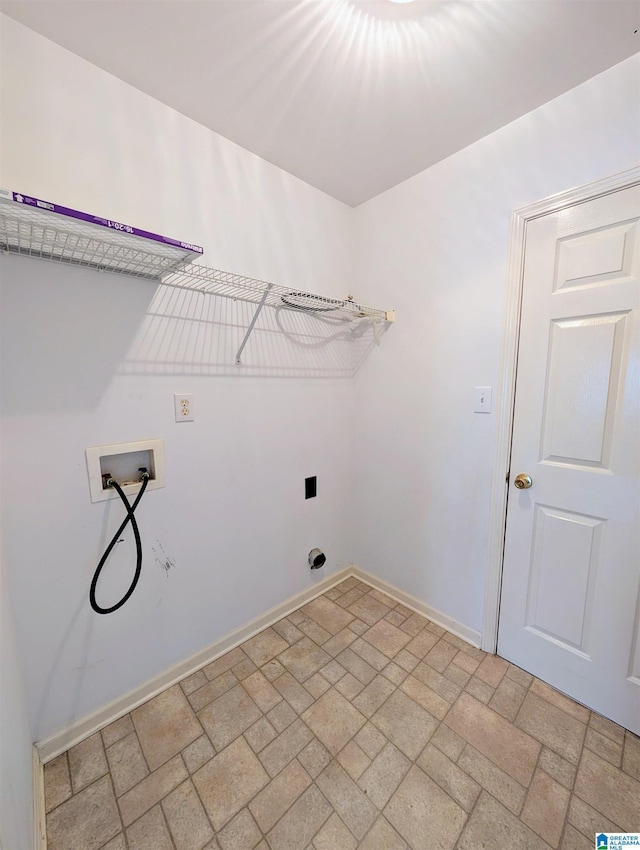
column 603, row 256
column 571, row 576
column 585, row 360
column 563, row 543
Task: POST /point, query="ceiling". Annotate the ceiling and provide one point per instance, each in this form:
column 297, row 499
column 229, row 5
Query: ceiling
column 351, row 96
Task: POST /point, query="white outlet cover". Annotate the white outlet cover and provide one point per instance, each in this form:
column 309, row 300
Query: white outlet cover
column 183, row 407
column 95, row 453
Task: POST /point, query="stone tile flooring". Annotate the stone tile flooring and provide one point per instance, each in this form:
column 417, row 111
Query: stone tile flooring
column 353, row 722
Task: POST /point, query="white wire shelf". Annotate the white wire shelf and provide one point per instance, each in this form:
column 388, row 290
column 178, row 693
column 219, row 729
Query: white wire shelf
column 48, row 231
column 216, row 282
column 41, row 229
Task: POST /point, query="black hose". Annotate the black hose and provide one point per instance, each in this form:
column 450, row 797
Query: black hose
column 136, row 533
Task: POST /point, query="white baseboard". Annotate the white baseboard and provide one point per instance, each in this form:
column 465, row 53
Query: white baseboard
column 472, row 636
column 61, row 741
column 70, row 735
column 39, row 812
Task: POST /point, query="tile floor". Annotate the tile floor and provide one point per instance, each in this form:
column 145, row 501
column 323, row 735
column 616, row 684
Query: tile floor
column 352, row 723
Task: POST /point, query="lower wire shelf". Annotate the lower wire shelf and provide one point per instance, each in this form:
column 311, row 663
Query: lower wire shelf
column 210, row 281
column 216, row 282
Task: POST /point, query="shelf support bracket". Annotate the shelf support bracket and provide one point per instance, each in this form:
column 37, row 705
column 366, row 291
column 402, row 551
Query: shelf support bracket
column 252, row 323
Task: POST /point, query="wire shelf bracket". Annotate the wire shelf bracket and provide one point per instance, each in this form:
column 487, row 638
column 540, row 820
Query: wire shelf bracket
column 252, row 324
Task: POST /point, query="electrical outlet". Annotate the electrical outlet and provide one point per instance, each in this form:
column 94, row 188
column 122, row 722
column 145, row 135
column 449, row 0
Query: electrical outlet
column 183, row 405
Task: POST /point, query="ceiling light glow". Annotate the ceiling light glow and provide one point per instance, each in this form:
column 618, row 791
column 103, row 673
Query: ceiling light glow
column 402, row 1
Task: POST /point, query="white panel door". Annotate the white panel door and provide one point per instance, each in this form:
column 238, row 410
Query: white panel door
column 570, row 604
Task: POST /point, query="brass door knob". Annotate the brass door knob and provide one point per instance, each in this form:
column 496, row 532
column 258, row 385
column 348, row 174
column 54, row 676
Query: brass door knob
column 522, row 481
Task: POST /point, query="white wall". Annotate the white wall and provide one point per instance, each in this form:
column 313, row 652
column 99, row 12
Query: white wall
column 16, row 795
column 90, row 359
column 435, row 248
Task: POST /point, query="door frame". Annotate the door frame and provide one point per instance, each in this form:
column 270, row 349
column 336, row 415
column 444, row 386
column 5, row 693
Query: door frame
column 520, row 218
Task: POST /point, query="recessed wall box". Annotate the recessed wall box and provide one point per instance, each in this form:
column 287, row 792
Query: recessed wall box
column 122, row 461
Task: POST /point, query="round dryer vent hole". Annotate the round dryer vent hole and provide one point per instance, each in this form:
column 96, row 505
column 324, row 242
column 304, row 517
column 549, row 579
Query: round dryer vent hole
column 317, row 559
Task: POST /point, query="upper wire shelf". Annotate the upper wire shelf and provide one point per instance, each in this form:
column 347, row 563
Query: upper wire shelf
column 37, row 228
column 49, row 231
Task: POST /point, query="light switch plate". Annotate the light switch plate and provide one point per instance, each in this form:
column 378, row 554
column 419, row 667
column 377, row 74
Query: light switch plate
column 482, row 399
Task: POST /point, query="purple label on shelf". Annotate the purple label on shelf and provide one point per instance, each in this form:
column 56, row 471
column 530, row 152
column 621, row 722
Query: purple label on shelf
column 103, row 222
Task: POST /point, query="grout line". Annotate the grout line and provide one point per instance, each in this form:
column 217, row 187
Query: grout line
column 117, row 807
column 197, row 793
column 164, row 818
column 145, row 759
